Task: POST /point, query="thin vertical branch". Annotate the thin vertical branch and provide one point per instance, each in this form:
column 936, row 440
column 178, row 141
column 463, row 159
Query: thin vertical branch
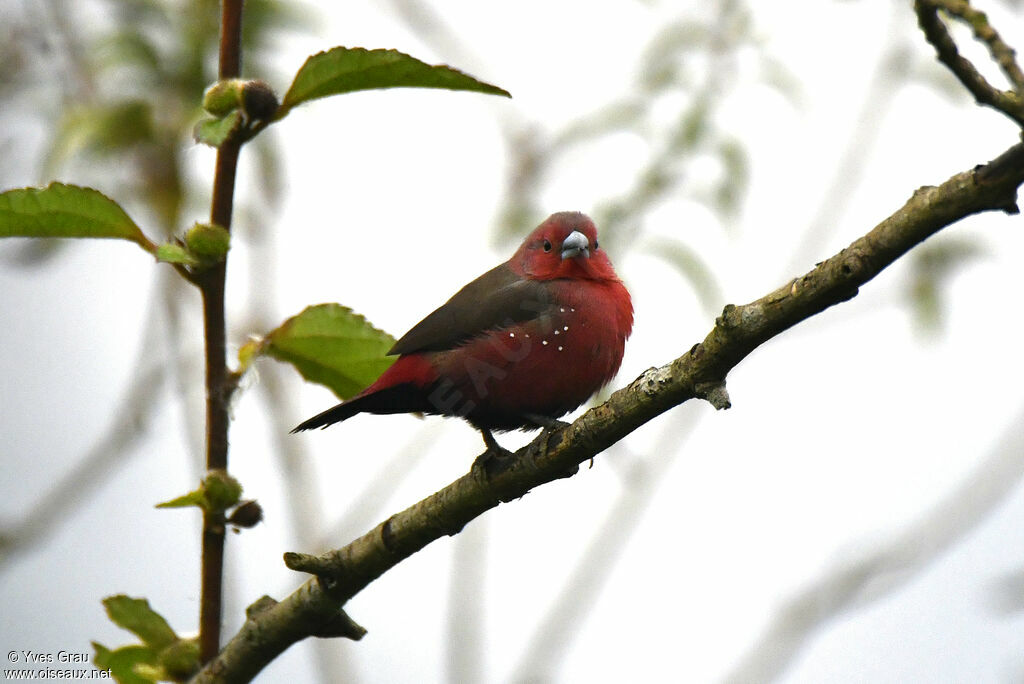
column 230, row 57
column 218, row 387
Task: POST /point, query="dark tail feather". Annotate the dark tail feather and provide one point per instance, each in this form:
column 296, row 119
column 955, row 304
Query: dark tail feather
column 336, row 414
column 404, row 398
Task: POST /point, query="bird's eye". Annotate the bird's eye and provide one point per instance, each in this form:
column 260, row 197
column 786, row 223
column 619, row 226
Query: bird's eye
column 547, row 245
column 595, row 244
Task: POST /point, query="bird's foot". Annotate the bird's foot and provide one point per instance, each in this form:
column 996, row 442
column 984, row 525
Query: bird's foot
column 495, row 453
column 549, row 424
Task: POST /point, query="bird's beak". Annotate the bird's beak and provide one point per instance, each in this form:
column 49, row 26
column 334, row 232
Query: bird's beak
column 575, row 244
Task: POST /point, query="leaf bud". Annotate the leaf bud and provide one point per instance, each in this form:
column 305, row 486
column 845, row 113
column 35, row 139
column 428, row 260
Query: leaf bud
column 221, row 490
column 180, row 660
column 259, row 102
column 248, row 514
column 208, row 241
column 223, row 96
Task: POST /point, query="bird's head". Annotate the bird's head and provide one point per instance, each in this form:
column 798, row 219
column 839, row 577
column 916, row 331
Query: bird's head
column 564, row 246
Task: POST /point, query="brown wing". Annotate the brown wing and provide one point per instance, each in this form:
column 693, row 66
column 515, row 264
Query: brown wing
column 496, row 299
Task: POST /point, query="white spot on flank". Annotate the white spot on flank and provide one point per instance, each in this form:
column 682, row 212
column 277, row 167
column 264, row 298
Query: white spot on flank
column 562, row 309
column 544, row 342
column 572, row 309
column 559, row 348
column 511, row 334
column 557, row 331
column 527, row 336
column 565, row 327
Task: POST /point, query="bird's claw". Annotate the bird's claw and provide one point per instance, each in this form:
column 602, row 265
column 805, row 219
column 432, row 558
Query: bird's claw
column 549, row 424
column 491, row 455
column 543, row 441
column 487, row 460
column 497, row 457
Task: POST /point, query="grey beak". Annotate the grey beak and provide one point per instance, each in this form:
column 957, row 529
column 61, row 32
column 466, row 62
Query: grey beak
column 575, row 244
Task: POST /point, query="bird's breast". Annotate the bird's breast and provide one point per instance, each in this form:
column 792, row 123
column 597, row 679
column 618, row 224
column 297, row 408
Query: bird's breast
column 548, row 365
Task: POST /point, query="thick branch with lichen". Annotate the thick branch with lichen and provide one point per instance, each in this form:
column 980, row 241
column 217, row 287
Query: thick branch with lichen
column 315, row 608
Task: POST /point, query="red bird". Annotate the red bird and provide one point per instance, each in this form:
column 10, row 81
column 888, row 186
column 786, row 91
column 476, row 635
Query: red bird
column 523, row 344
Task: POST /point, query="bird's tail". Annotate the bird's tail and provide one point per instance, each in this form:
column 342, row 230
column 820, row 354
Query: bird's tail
column 401, row 398
column 335, row 414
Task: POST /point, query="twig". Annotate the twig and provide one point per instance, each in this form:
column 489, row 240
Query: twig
column 315, row 607
column 218, row 383
column 1009, row 102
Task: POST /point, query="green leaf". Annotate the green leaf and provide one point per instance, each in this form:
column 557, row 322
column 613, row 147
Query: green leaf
column 137, row 617
column 248, row 353
column 122, row 662
column 194, row 498
column 175, row 254
column 330, row 345
column 66, row 211
column 344, row 70
column 150, row 673
column 217, row 492
column 214, row 132
column 205, row 245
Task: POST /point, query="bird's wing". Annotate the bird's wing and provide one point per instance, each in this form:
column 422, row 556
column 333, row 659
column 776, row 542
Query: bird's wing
column 496, row 299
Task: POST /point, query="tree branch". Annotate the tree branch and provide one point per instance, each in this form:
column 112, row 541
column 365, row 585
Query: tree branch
column 314, row 609
column 219, row 383
column 1009, row 102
